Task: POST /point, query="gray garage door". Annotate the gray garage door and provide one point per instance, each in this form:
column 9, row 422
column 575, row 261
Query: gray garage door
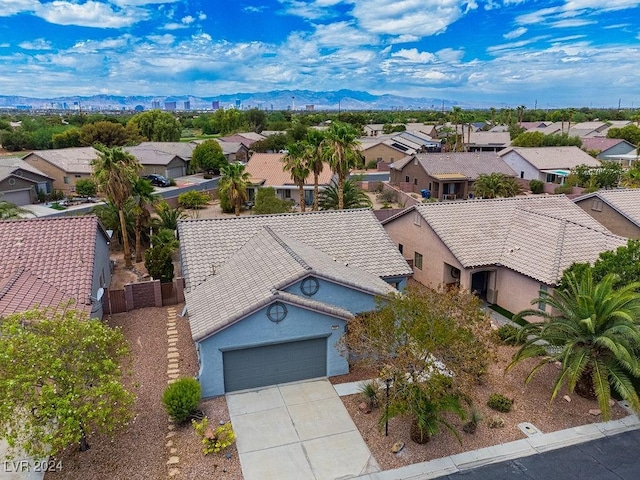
column 271, row 364
column 174, row 172
column 19, row 198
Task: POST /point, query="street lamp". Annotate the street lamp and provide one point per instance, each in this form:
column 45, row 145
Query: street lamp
column 386, row 415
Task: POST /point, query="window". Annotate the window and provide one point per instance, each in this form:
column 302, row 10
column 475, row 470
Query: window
column 417, row 260
column 521, row 174
column 415, row 181
column 65, row 180
column 542, row 305
column 407, row 179
column 596, row 205
column 416, row 218
column 379, row 159
column 78, row 176
column 400, row 247
column 287, row 194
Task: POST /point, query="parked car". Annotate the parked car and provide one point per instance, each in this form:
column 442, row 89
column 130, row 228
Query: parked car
column 157, row 180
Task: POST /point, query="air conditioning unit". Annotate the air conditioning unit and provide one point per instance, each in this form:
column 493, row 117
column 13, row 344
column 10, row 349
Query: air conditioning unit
column 492, row 296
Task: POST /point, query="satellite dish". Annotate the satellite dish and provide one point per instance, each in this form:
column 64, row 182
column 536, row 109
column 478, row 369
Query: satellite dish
column 455, row 272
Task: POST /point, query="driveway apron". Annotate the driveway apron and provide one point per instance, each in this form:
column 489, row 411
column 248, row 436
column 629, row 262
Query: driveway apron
column 297, row 431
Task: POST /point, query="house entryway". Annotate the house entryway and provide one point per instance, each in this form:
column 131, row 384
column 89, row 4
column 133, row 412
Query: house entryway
column 480, row 284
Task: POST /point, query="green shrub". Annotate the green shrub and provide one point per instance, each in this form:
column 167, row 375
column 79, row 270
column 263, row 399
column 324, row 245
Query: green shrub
column 508, row 334
column 371, row 165
column 495, row 422
column 85, row 187
column 181, row 398
column 214, row 440
column 369, row 391
column 387, row 196
column 172, row 182
column 563, row 189
column 159, row 263
column 499, row 402
column 193, row 199
column 536, row 186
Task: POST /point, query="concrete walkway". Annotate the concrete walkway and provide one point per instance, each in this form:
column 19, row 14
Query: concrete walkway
column 297, row 431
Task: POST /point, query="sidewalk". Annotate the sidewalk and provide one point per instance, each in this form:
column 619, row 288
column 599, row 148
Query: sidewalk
column 535, row 444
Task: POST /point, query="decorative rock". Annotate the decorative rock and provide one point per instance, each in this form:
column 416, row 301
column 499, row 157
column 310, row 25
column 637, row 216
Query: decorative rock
column 171, row 427
column 595, row 412
column 612, row 402
column 174, row 375
column 173, row 460
column 170, row 434
column 397, row 447
column 173, row 355
column 173, row 451
column 169, row 443
column 173, row 472
column 558, row 365
column 364, row 407
column 567, row 398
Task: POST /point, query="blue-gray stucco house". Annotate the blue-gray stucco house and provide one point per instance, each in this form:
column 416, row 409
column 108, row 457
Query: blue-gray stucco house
column 269, row 297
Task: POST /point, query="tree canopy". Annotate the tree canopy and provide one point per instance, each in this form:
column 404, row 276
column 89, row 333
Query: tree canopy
column 495, row 185
column 157, row 126
column 60, row 380
column 208, row 157
column 630, row 133
column 268, row 203
column 352, row 196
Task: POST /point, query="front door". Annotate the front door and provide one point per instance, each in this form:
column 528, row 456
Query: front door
column 479, row 284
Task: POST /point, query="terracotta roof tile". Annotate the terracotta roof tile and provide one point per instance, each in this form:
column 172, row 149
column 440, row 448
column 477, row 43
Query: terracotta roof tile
column 268, row 168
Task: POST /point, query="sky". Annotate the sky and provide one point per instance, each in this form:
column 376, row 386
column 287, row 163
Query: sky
column 544, row 53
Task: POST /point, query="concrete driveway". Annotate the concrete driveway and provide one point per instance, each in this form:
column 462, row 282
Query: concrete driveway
column 297, row 431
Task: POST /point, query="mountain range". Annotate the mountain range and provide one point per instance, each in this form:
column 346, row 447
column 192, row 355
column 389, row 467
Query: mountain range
column 273, row 100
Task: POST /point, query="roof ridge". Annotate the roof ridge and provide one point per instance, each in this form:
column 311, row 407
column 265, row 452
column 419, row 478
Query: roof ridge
column 559, row 250
column 287, row 248
column 272, row 215
column 604, row 231
column 12, row 281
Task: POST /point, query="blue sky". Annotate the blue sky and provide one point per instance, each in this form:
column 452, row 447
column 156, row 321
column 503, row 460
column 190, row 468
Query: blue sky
column 501, row 52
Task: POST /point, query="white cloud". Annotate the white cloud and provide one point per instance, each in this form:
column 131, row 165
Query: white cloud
column 518, row 32
column 599, row 5
column 88, row 14
column 11, row 7
column 536, row 17
column 174, row 26
column 36, row 44
column 572, row 23
column 108, row 44
column 342, row 34
column 202, row 16
column 310, row 10
column 413, row 55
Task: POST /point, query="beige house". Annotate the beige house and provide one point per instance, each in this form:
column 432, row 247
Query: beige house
column 617, row 210
column 505, row 250
column 64, row 165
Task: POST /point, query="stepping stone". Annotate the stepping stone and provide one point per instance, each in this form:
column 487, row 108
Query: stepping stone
column 170, row 434
column 173, row 349
column 174, row 376
column 171, row 380
column 173, row 460
column 173, row 472
column 172, row 427
column 173, row 451
column 173, row 366
column 173, row 371
column 173, row 355
column 169, row 443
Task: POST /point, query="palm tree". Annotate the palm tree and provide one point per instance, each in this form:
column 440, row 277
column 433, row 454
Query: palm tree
column 593, row 332
column 9, row 211
column 315, row 161
column 115, row 172
column 143, row 195
column 167, row 217
column 495, row 185
column 233, row 185
column 631, row 177
column 342, row 153
column 295, row 162
column 353, row 197
column 109, row 216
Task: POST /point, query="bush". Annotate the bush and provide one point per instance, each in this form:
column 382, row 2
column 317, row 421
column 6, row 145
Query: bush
column 181, row 398
column 499, row 402
column 563, row 189
column 158, row 262
column 370, row 392
column 172, row 182
column 495, row 422
column 536, row 186
column 193, row 199
column 387, row 196
column 371, row 165
column 508, row 334
column 214, row 441
column 86, row 187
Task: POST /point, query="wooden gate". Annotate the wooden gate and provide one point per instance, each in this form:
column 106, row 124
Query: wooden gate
column 169, row 294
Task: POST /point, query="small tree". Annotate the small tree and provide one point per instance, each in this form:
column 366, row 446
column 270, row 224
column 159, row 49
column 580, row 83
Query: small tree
column 268, row 203
column 193, row 199
column 86, row 187
column 495, row 185
column 181, row 398
column 159, row 263
column 60, row 380
column 208, row 157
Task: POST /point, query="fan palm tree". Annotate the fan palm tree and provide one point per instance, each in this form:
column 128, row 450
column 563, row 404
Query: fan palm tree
column 295, row 162
column 143, row 195
column 167, row 217
column 315, row 161
column 594, row 332
column 631, row 177
column 342, row 153
column 115, row 172
column 9, row 211
column 495, row 185
column 233, row 185
column 353, row 197
column 109, row 216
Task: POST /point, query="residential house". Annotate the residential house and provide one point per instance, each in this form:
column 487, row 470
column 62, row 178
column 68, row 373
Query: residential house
column 247, row 138
column 21, row 182
column 617, row 210
column 233, row 151
column 446, row 176
column 64, row 165
column 163, row 158
column 271, row 302
column 481, row 141
column 548, row 164
column 267, row 170
column 504, row 250
column 52, row 260
column 389, row 148
column 608, row 149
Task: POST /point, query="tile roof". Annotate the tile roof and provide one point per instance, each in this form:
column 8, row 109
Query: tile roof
column 149, row 156
column 537, row 236
column 256, row 274
column 23, row 290
column 489, row 138
column 183, row 150
column 351, row 236
column 17, row 163
column 267, row 169
column 625, row 202
column 47, row 258
column 602, row 143
column 468, row 164
column 552, row 158
column 71, row 160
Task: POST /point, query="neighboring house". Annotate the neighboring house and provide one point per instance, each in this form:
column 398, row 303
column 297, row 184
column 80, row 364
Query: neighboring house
column 247, row 139
column 389, row 148
column 156, row 159
column 618, row 210
column 64, row 165
column 373, row 129
column 504, row 250
column 233, row 151
column 271, row 301
column 266, row 170
column 47, row 261
column 481, row 141
column 20, row 182
column 447, row 176
column 548, row 164
column 608, row 149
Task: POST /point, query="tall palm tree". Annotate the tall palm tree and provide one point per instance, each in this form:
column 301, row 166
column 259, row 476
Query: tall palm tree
column 315, row 161
column 295, row 162
column 353, row 197
column 342, row 153
column 495, row 185
column 115, row 172
column 9, row 211
column 233, row 184
column 167, row 217
column 594, row 332
column 143, row 195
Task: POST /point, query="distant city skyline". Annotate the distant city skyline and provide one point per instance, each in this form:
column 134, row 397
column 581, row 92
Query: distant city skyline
column 493, row 52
